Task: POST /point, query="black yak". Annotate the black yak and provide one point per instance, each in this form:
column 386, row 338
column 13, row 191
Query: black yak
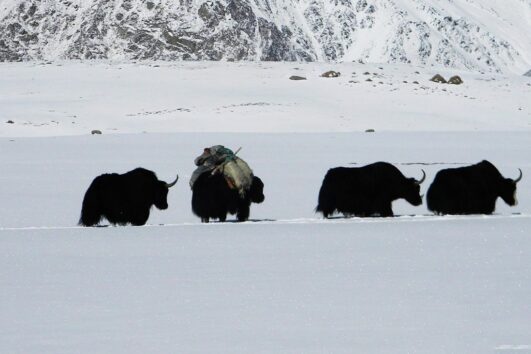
column 366, row 191
column 213, row 199
column 124, row 198
column 470, row 190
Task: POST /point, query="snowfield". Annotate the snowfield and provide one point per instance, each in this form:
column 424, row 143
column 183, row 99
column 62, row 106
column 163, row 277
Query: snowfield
column 287, row 281
column 453, row 286
column 67, row 98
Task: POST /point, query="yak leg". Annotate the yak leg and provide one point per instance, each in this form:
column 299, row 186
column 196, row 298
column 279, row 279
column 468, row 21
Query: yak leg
column 386, row 210
column 90, row 218
column 243, row 213
column 140, row 218
column 327, row 212
column 205, row 220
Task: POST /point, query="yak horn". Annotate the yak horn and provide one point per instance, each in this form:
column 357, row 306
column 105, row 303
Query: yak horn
column 423, row 177
column 169, row 185
column 519, row 177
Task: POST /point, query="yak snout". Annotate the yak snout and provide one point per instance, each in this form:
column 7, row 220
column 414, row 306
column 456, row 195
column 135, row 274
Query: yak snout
column 413, row 196
column 257, row 191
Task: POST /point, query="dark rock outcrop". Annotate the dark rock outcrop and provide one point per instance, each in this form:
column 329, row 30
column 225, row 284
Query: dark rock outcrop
column 256, row 30
column 439, row 79
column 455, row 80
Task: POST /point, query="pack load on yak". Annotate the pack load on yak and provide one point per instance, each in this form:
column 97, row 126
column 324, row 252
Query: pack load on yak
column 219, row 159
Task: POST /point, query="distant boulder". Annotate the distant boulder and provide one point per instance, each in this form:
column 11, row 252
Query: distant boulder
column 455, row 80
column 528, row 73
column 331, row 73
column 439, row 79
column 296, row 77
column 10, row 122
column 95, row 131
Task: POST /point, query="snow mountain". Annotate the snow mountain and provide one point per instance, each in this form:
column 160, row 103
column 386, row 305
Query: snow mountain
column 479, row 35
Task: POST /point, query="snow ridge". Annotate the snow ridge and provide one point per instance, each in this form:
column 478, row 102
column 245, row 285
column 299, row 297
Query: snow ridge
column 479, row 35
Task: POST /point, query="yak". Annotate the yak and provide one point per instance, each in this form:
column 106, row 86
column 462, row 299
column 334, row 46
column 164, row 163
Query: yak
column 212, row 198
column 124, row 198
column 366, row 191
column 470, row 190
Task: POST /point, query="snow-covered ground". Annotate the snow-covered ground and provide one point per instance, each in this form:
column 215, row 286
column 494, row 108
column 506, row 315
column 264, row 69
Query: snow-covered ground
column 287, row 281
column 455, row 286
column 71, row 98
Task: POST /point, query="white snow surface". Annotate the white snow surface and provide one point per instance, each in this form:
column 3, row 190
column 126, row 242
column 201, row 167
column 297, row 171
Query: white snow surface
column 287, row 281
column 68, row 98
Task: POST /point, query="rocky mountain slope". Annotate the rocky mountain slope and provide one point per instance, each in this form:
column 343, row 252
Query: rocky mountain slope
column 480, row 35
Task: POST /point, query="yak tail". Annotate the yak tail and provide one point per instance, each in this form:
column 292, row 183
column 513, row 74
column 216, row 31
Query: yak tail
column 326, row 201
column 90, row 209
column 435, row 198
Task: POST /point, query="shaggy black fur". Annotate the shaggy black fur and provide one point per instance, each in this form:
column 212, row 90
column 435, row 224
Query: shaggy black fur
column 470, row 190
column 123, row 198
column 366, row 191
column 213, row 199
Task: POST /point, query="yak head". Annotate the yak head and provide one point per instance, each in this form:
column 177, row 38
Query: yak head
column 508, row 189
column 412, row 190
column 256, row 192
column 160, row 197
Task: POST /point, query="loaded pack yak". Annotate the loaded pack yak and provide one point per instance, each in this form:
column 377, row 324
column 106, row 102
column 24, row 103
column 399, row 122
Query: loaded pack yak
column 213, row 199
column 470, row 190
column 366, row 191
column 124, row 198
